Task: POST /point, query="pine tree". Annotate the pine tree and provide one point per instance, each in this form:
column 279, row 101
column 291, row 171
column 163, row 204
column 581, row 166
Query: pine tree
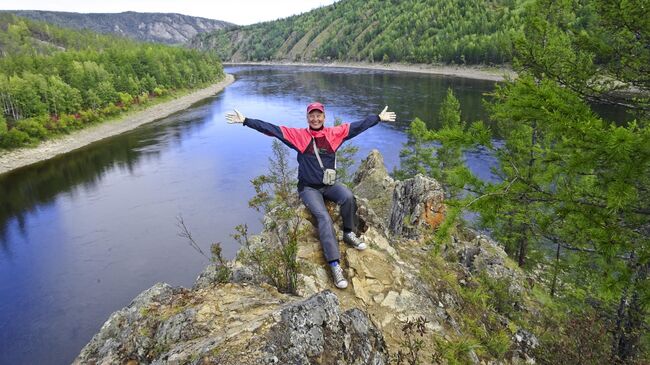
column 573, row 189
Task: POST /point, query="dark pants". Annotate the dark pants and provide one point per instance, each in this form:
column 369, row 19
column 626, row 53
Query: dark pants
column 314, row 199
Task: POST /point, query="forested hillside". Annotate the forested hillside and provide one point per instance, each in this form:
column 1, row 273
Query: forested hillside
column 572, row 197
column 53, row 80
column 151, row 27
column 419, row 31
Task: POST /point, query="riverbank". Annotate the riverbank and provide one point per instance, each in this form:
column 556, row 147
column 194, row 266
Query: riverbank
column 469, row 72
column 14, row 159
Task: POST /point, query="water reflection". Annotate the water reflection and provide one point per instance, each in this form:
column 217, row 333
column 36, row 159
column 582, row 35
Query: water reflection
column 25, row 189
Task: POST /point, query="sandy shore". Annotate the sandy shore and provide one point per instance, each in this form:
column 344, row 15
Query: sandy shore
column 470, row 72
column 26, row 156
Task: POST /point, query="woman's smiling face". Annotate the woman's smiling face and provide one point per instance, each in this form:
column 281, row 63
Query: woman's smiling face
column 316, row 119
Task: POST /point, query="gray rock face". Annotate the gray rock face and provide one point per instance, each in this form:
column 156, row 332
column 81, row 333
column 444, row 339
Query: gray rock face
column 525, row 343
column 372, row 182
column 315, row 332
column 483, row 255
column 119, row 336
column 235, row 325
column 152, row 27
column 208, row 277
column 418, row 204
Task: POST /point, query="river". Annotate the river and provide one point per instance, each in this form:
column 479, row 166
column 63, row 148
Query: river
column 82, row 234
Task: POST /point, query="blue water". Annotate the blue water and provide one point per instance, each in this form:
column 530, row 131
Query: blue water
column 82, row 234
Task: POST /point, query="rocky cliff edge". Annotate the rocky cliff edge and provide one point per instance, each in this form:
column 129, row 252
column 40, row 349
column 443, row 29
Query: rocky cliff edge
column 399, row 280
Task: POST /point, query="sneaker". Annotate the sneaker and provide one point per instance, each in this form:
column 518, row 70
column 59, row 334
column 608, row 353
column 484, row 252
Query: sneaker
column 339, row 278
column 351, row 239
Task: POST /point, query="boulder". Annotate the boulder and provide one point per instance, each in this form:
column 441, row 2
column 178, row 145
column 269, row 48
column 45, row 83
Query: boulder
column 372, row 183
column 417, row 207
column 315, row 331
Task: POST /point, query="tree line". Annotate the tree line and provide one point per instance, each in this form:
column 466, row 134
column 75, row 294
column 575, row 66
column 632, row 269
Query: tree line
column 572, row 204
column 418, row 31
column 54, row 80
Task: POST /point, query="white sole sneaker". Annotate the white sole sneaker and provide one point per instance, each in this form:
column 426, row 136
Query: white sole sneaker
column 342, row 284
column 339, row 277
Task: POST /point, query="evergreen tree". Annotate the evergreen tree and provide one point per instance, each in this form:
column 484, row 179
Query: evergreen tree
column 569, row 180
column 55, row 79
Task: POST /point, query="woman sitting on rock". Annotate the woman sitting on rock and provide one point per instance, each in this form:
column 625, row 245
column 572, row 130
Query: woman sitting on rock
column 316, row 147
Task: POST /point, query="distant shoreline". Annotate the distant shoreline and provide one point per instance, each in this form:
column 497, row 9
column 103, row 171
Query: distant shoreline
column 11, row 160
column 14, row 159
column 469, row 72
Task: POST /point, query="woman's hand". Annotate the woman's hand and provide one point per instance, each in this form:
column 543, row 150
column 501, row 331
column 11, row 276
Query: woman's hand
column 235, row 117
column 386, row 116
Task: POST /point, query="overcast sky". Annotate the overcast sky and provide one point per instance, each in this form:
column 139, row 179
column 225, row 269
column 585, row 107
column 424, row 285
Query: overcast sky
column 240, row 12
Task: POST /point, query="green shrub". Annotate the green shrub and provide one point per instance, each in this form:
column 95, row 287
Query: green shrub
column 110, row 110
column 457, row 351
column 14, row 138
column 3, row 125
column 88, row 117
column 125, row 99
column 277, row 198
column 497, row 344
column 223, row 271
column 160, row 91
column 33, row 127
column 64, row 122
column 500, row 297
column 143, row 98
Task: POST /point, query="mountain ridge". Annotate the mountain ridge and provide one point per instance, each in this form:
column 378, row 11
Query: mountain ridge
column 168, row 28
column 414, row 31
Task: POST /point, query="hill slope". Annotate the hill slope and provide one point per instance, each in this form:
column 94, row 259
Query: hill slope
column 153, row 27
column 419, row 31
column 55, row 80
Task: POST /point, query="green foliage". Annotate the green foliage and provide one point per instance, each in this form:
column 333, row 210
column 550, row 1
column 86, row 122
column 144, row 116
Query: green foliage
column 275, row 259
column 499, row 296
column 457, row 351
column 484, row 330
column 14, row 138
column 158, row 91
column 417, row 156
column 277, row 188
column 571, row 185
column 50, row 72
column 33, row 128
column 485, row 301
column 442, row 160
column 418, row 31
column 125, row 98
column 3, row 125
column 345, row 157
column 216, row 256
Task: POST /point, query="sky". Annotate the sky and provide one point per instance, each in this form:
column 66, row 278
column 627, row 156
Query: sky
column 241, row 12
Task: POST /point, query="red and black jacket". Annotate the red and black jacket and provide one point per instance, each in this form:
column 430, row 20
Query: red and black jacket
column 328, row 140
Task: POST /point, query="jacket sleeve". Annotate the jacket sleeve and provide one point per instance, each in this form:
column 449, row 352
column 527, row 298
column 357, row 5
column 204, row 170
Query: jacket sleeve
column 268, row 129
column 362, row 125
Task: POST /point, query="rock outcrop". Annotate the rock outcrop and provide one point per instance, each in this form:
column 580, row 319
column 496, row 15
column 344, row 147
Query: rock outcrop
column 418, row 203
column 235, row 324
column 247, row 321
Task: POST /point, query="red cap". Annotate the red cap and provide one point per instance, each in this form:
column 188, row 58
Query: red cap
column 315, row 106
